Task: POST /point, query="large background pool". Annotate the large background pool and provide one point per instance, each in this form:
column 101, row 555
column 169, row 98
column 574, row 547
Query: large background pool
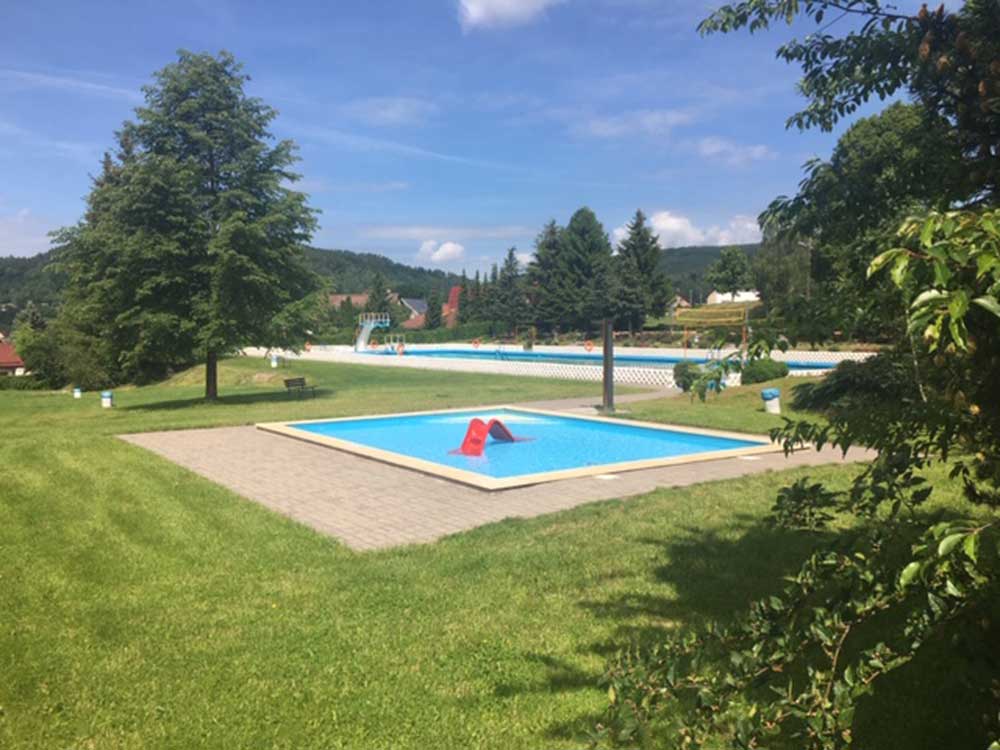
column 555, row 442
column 594, row 358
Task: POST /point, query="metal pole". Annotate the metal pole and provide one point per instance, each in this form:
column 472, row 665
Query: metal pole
column 607, row 330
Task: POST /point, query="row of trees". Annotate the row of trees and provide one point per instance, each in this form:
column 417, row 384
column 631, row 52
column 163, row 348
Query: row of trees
column 573, row 281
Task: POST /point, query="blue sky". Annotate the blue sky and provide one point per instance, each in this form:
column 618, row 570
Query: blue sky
column 437, row 132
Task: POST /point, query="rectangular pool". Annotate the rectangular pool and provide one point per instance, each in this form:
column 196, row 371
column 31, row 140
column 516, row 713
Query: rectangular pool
column 548, row 445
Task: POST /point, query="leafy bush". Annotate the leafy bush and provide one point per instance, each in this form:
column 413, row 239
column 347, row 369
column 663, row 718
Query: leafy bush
column 685, row 374
column 761, row 370
column 21, row 383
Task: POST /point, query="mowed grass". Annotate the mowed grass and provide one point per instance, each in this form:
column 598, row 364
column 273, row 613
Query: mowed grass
column 143, row 606
column 738, row 409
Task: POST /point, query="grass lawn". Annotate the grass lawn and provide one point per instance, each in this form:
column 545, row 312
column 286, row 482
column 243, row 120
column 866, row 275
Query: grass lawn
column 739, row 409
column 146, row 607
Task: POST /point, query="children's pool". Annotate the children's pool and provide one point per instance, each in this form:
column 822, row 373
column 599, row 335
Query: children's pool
column 548, row 446
column 572, row 358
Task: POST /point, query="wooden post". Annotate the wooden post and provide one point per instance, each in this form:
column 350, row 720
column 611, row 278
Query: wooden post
column 608, row 332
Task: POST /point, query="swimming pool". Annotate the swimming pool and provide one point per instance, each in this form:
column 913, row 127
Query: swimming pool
column 577, row 358
column 548, row 445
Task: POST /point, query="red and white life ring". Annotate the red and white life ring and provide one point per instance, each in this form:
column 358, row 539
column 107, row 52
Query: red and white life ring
column 309, row 347
column 400, row 350
column 476, row 343
column 373, row 344
column 588, row 345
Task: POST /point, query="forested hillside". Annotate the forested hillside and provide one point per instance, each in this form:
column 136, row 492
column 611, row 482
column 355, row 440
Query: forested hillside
column 29, row 279
column 686, row 266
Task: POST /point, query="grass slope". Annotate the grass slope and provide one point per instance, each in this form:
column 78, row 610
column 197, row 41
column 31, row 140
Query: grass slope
column 146, row 607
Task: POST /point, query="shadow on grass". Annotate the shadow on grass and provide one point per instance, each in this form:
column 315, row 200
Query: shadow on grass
column 236, row 399
column 702, row 575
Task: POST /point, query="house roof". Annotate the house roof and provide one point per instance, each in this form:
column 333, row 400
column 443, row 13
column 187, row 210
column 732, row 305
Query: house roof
column 8, row 357
column 417, row 305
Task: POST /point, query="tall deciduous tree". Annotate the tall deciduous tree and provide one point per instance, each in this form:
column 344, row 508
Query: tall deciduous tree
column 191, row 245
column 731, row 273
column 639, row 260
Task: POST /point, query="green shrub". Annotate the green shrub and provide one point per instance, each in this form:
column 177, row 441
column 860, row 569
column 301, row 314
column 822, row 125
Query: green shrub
column 20, row 383
column 761, row 370
column 685, row 373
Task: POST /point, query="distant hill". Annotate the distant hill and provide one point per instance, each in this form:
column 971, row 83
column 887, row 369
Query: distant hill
column 26, row 279
column 686, row 266
column 352, row 272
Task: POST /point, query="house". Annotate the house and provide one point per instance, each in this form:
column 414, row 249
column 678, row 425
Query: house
column 449, row 312
column 718, row 298
column 679, row 302
column 10, row 363
column 415, row 305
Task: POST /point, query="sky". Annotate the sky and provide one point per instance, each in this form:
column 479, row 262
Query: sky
column 438, row 132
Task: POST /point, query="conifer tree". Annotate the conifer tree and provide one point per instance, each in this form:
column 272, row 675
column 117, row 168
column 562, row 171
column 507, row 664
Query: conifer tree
column 510, row 301
column 543, row 279
column 643, row 248
column 191, row 244
column 433, row 317
column 584, row 268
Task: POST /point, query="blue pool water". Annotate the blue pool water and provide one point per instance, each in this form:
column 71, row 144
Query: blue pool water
column 553, row 442
column 627, row 360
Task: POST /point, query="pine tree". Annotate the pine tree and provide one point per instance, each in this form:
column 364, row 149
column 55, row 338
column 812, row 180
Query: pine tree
column 378, row 295
column 543, row 279
column 433, row 317
column 191, row 243
column 463, row 299
column 630, row 300
column 583, row 271
column 511, row 303
column 643, row 247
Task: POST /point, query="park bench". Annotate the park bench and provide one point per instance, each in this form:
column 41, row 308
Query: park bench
column 298, row 385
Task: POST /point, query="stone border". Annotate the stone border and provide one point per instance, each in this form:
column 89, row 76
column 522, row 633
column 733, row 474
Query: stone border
column 288, row 429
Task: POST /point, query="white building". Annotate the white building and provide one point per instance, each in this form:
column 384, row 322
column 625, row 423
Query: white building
column 748, row 295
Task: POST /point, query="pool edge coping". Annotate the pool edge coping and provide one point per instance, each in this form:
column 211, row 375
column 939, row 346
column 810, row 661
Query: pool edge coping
column 483, row 482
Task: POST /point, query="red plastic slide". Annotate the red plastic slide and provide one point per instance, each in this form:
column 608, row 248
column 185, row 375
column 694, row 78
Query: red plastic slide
column 475, row 437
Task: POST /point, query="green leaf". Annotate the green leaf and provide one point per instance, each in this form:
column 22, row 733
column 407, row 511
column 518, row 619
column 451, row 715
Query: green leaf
column 950, row 542
column 989, row 303
column 909, row 574
column 971, row 547
column 931, row 295
column 883, row 259
column 927, row 233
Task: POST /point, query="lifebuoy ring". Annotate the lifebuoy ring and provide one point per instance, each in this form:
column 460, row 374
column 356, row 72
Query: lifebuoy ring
column 588, row 345
column 476, row 343
column 309, row 347
column 400, row 349
column 373, row 344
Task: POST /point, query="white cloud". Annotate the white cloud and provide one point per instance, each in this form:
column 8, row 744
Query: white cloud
column 22, row 233
column 734, row 154
column 446, row 252
column 676, row 230
column 420, row 232
column 391, row 110
column 647, row 122
column 364, row 143
column 84, row 153
column 473, row 13
column 524, row 258
column 66, row 83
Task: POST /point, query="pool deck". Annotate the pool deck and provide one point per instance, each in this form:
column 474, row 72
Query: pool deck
column 371, row 505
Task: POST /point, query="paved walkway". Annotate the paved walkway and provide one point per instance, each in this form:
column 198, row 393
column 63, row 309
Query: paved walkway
column 371, row 505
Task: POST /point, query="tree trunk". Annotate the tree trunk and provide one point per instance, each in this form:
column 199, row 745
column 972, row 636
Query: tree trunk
column 211, row 376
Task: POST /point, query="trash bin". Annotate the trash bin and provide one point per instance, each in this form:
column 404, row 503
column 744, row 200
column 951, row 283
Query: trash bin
column 77, row 393
column 772, row 400
column 107, row 399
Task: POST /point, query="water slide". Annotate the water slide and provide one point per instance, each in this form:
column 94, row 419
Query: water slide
column 475, row 437
column 368, row 322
